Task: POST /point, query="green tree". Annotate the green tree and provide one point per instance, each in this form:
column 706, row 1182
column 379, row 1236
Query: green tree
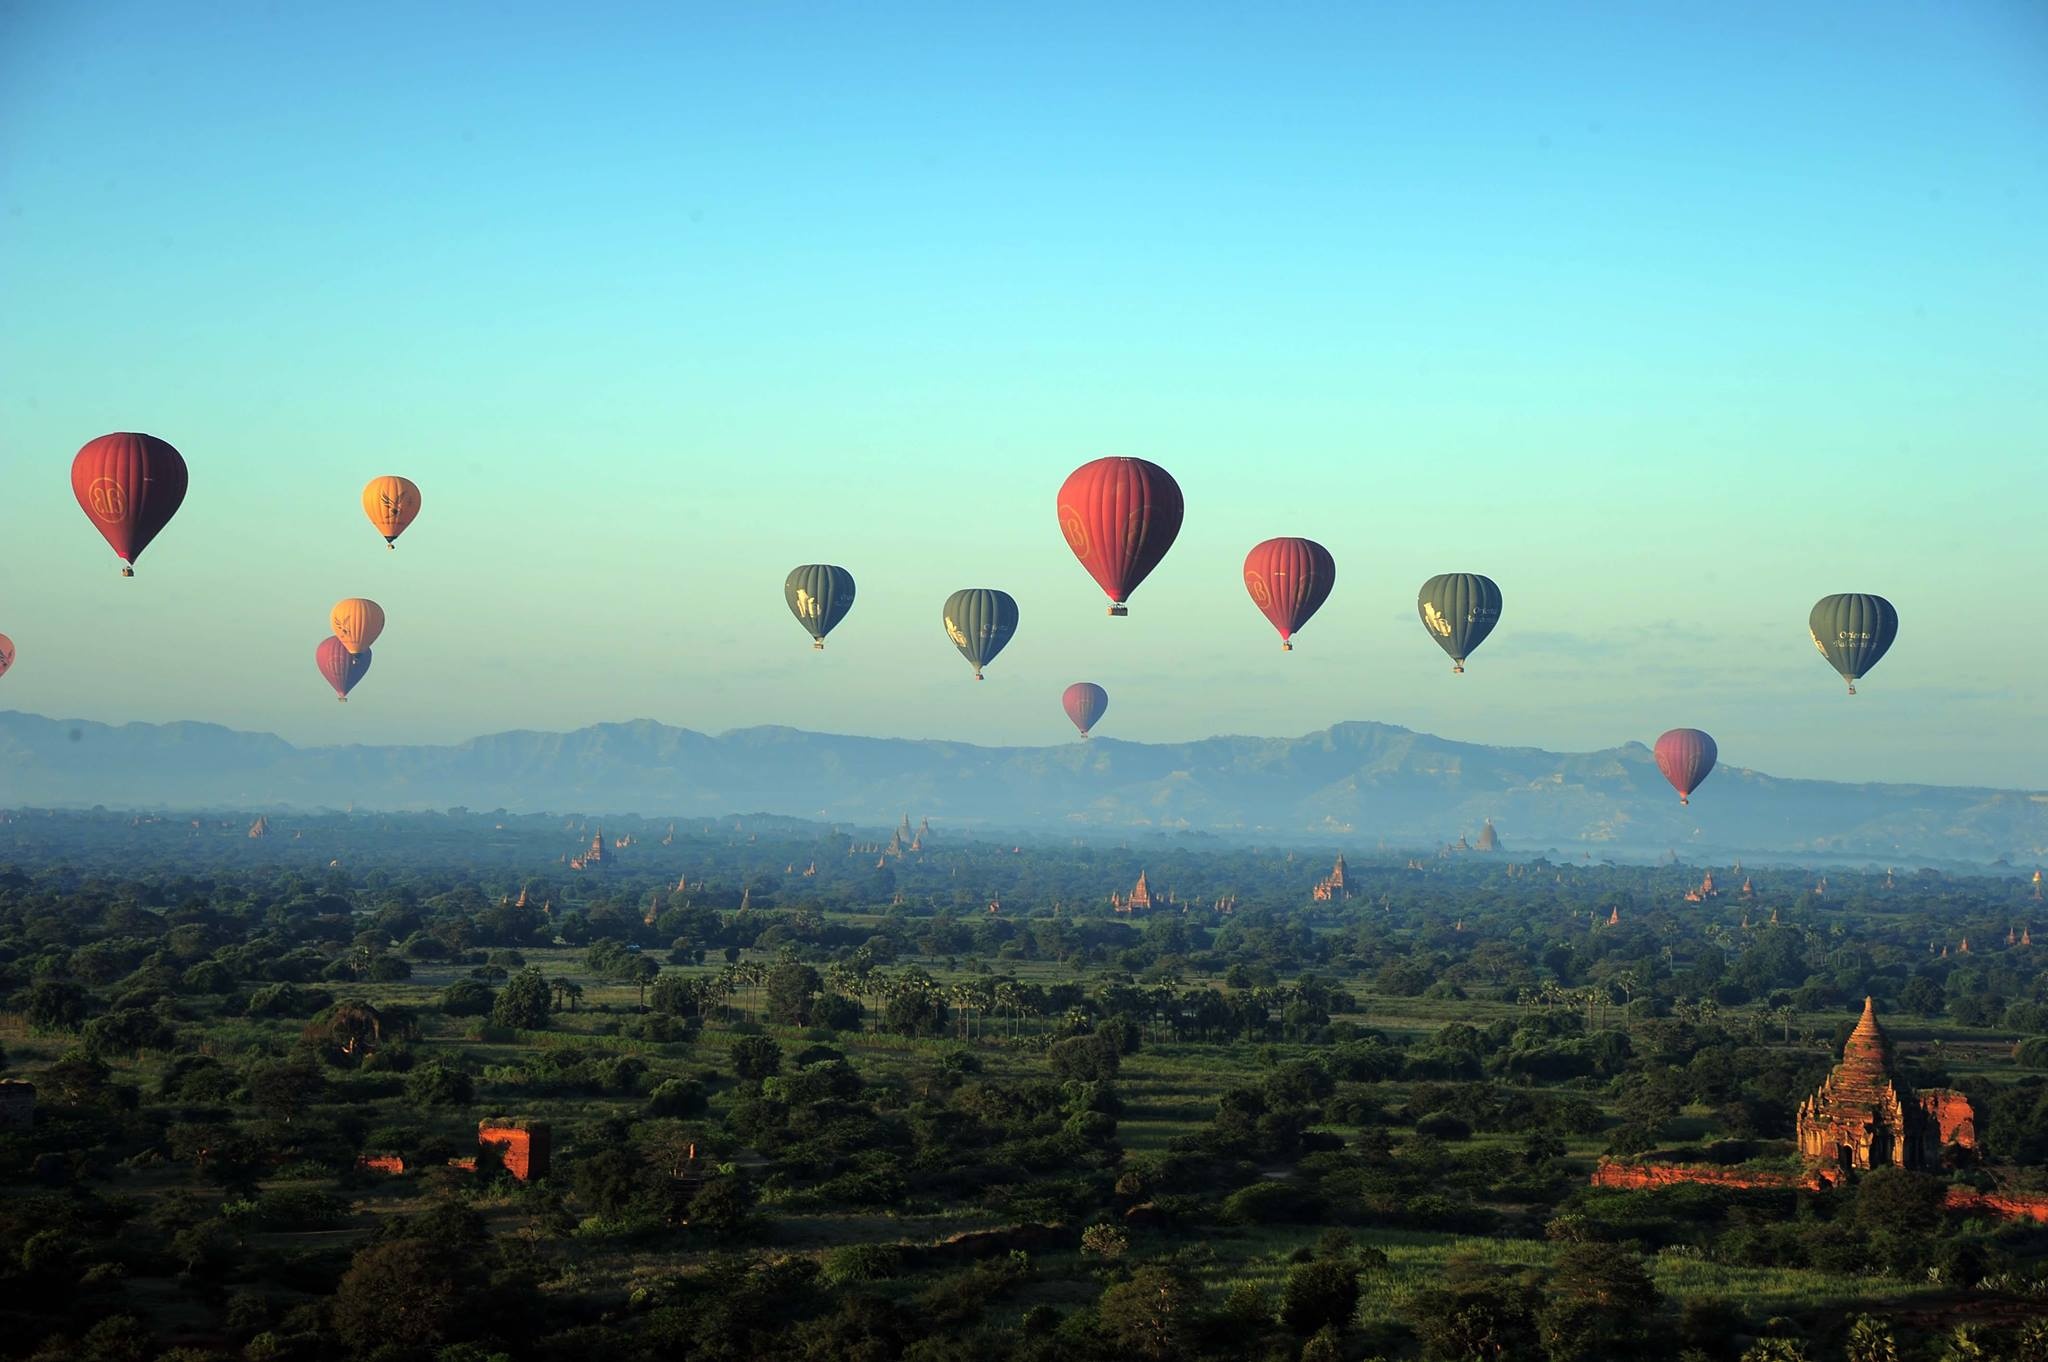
column 401, row 1294
column 792, row 990
column 1156, row 1314
column 1320, row 1295
column 1894, row 1201
column 756, row 1057
column 722, row 1208
column 524, row 1003
column 283, row 1089
column 56, row 1005
column 1598, row 1303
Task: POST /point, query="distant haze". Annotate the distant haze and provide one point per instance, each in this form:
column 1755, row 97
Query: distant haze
column 1356, row 784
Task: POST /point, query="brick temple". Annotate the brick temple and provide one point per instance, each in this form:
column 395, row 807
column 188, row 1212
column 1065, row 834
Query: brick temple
column 1864, row 1116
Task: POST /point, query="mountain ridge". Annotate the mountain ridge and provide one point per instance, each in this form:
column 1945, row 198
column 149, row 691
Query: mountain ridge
column 1357, row 778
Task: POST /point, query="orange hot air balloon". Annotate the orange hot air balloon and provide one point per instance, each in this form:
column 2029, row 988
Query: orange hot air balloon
column 391, row 503
column 357, row 622
column 6, row 654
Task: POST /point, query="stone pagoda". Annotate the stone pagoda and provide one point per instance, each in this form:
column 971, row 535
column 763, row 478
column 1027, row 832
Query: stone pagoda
column 1863, row 1116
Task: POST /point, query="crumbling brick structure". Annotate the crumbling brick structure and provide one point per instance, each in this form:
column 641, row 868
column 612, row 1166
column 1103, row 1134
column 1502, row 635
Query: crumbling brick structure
column 523, row 1146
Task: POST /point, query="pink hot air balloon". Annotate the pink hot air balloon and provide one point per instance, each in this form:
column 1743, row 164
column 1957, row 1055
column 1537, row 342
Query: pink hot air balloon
column 1686, row 757
column 341, row 667
column 1084, row 702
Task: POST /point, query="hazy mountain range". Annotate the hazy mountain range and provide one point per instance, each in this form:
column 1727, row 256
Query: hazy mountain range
column 1351, row 783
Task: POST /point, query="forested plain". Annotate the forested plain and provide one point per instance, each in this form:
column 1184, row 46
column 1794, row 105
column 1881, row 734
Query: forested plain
column 814, row 1094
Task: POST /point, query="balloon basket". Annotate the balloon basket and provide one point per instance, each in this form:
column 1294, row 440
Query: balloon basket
column 818, row 645
column 1457, row 669
column 127, row 572
column 1286, row 647
column 1118, row 611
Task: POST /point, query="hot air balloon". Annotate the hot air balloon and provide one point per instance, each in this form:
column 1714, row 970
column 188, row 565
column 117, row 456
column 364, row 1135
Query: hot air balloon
column 980, row 621
column 1686, row 757
column 6, row 654
column 1120, row 517
column 341, row 667
column 130, row 485
column 819, row 595
column 357, row 622
column 391, row 503
column 1085, row 701
column 1289, row 580
column 1459, row 609
column 1853, row 631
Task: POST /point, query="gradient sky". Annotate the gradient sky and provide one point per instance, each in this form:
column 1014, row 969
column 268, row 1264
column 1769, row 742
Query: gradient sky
column 1670, row 322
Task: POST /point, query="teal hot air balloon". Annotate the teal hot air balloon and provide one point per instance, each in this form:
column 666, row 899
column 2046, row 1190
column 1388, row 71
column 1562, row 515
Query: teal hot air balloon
column 819, row 595
column 1459, row 609
column 1853, row 631
column 980, row 621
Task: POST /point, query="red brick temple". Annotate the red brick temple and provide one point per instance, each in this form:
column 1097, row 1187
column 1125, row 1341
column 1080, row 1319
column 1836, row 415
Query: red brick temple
column 1862, row 1116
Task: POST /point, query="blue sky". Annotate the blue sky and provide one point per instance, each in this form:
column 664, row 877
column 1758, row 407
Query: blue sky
column 1670, row 323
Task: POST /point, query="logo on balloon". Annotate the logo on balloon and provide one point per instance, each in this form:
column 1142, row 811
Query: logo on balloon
column 1817, row 643
column 1256, row 584
column 107, row 499
column 807, row 607
column 953, row 632
column 1432, row 617
column 1075, row 531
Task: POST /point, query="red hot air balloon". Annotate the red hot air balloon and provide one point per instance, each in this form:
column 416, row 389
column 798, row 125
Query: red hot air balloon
column 129, row 487
column 1289, row 580
column 6, row 654
column 1120, row 517
column 1085, row 701
column 1686, row 757
column 341, row 667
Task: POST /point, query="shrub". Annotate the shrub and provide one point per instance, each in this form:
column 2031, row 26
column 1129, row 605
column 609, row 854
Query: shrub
column 1444, row 1126
column 863, row 1263
column 467, row 998
column 437, row 1085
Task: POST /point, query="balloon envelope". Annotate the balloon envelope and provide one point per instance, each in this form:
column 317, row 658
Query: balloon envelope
column 341, row 667
column 129, row 486
column 6, row 654
column 980, row 621
column 357, row 622
column 1120, row 516
column 1686, row 756
column 1084, row 702
column 819, row 595
column 391, row 503
column 1459, row 609
column 1853, row 631
column 1289, row 579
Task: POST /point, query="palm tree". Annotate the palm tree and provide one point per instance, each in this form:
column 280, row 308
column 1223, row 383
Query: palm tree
column 1870, row 1341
